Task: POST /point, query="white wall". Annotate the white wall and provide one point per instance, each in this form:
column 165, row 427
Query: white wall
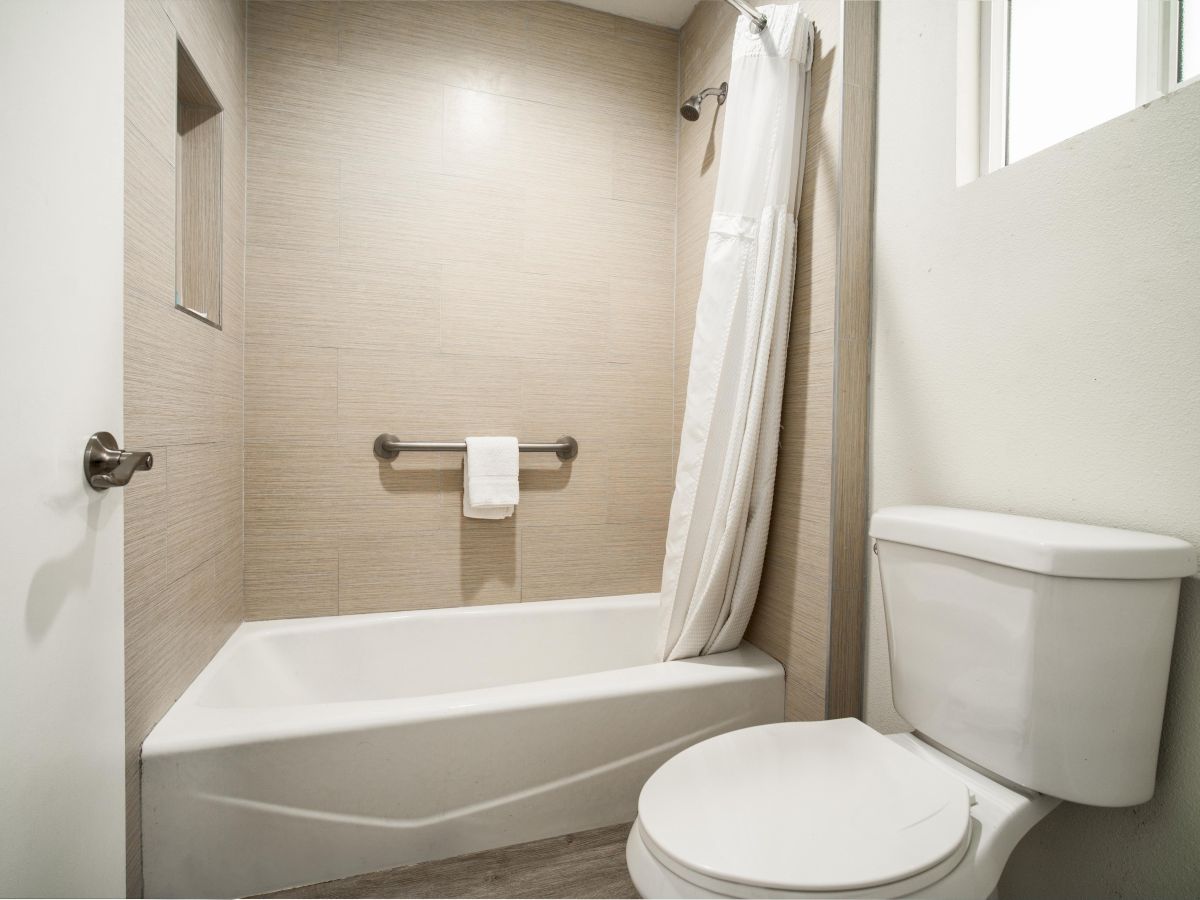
column 62, row 723
column 1037, row 350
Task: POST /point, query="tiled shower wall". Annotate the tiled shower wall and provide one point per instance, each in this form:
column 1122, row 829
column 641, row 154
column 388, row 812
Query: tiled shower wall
column 492, row 254
column 183, row 381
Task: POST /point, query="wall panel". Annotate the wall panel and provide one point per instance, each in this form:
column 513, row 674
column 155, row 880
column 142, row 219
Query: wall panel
column 183, row 381
column 455, row 231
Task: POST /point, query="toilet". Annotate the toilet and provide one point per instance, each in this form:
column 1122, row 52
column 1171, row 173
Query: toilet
column 1030, row 656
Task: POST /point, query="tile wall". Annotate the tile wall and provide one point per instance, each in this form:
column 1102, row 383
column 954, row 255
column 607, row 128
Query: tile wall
column 493, row 255
column 183, row 381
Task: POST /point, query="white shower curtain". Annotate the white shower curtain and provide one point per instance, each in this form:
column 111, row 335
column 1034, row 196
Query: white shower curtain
column 725, row 478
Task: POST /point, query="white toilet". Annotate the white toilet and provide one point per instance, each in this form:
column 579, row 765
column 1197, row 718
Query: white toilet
column 1030, row 655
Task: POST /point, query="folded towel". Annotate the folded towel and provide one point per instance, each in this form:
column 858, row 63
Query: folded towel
column 490, row 478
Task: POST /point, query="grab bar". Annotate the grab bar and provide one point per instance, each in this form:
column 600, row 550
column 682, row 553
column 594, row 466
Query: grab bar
column 388, row 446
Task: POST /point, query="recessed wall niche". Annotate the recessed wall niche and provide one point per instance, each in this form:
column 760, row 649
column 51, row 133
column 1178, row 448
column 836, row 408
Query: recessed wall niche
column 198, row 193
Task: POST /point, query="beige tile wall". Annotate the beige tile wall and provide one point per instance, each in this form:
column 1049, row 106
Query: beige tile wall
column 848, row 503
column 792, row 618
column 451, row 231
column 705, row 44
column 183, row 381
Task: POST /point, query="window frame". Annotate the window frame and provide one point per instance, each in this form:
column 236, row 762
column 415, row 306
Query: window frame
column 1175, row 62
column 1157, row 69
column 993, row 85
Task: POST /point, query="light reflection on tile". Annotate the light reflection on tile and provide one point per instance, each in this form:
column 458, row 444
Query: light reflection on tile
column 473, row 229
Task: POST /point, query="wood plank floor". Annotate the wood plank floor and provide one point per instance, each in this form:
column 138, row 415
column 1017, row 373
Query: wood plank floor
column 584, row 864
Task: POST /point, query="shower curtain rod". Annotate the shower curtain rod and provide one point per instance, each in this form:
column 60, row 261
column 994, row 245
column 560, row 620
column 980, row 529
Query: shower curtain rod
column 758, row 21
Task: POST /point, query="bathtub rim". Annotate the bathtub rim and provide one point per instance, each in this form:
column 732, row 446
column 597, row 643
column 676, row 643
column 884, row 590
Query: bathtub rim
column 189, row 726
column 250, row 629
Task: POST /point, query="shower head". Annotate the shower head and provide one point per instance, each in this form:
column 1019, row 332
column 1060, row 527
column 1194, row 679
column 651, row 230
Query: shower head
column 691, row 107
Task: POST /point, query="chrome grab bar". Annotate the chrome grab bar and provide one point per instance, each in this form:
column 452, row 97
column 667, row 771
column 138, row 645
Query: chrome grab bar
column 388, row 446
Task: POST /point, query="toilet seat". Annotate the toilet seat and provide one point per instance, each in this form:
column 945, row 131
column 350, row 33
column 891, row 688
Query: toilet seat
column 820, row 808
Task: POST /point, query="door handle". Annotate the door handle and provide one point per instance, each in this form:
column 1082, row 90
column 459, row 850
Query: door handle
column 106, row 465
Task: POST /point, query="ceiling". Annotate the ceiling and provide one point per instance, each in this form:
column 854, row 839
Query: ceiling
column 672, row 13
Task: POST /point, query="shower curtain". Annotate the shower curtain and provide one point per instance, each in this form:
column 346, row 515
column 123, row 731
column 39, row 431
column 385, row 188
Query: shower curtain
column 725, row 478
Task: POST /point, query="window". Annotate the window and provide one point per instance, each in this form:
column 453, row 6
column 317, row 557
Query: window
column 1187, row 45
column 1050, row 69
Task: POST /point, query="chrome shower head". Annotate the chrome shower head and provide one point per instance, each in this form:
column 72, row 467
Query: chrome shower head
column 691, row 107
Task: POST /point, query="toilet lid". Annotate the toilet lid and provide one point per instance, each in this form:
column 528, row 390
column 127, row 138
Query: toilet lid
column 804, row 806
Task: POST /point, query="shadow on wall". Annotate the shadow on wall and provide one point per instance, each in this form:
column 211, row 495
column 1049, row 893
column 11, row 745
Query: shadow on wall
column 1139, row 851
column 497, row 567
column 903, row 388
column 402, row 480
column 482, row 571
column 710, row 149
column 488, row 562
column 502, row 570
column 58, row 579
column 555, row 478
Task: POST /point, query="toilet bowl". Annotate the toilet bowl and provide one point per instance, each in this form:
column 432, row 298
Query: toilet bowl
column 1031, row 657
column 824, row 809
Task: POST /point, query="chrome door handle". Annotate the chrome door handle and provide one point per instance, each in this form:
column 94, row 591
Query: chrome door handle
column 106, row 465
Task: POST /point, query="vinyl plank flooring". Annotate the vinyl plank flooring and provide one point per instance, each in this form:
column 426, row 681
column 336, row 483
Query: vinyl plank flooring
column 584, row 864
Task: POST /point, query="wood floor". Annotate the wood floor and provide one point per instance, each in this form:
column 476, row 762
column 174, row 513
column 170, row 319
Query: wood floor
column 585, row 864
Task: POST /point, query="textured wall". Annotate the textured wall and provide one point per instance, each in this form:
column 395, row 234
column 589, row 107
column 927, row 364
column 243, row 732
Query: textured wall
column 451, row 231
column 183, row 381
column 705, row 43
column 1035, row 352
column 792, row 617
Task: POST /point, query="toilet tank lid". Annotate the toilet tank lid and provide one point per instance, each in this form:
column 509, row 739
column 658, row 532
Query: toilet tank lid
column 1037, row 545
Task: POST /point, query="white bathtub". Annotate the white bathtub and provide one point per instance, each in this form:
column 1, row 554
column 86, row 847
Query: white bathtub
column 318, row 748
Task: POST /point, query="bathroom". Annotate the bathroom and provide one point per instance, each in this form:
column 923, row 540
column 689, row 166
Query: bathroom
column 501, row 421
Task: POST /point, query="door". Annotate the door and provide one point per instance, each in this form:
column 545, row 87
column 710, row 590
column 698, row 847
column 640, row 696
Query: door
column 62, row 822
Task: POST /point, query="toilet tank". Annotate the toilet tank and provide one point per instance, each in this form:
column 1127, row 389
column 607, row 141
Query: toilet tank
column 1038, row 650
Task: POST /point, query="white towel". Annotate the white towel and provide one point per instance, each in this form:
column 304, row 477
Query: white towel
column 490, row 478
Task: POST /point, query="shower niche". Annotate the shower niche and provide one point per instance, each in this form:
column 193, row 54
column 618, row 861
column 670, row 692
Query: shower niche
column 197, row 193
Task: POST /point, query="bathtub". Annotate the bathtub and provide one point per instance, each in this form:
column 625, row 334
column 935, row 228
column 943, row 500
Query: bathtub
column 318, row 748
